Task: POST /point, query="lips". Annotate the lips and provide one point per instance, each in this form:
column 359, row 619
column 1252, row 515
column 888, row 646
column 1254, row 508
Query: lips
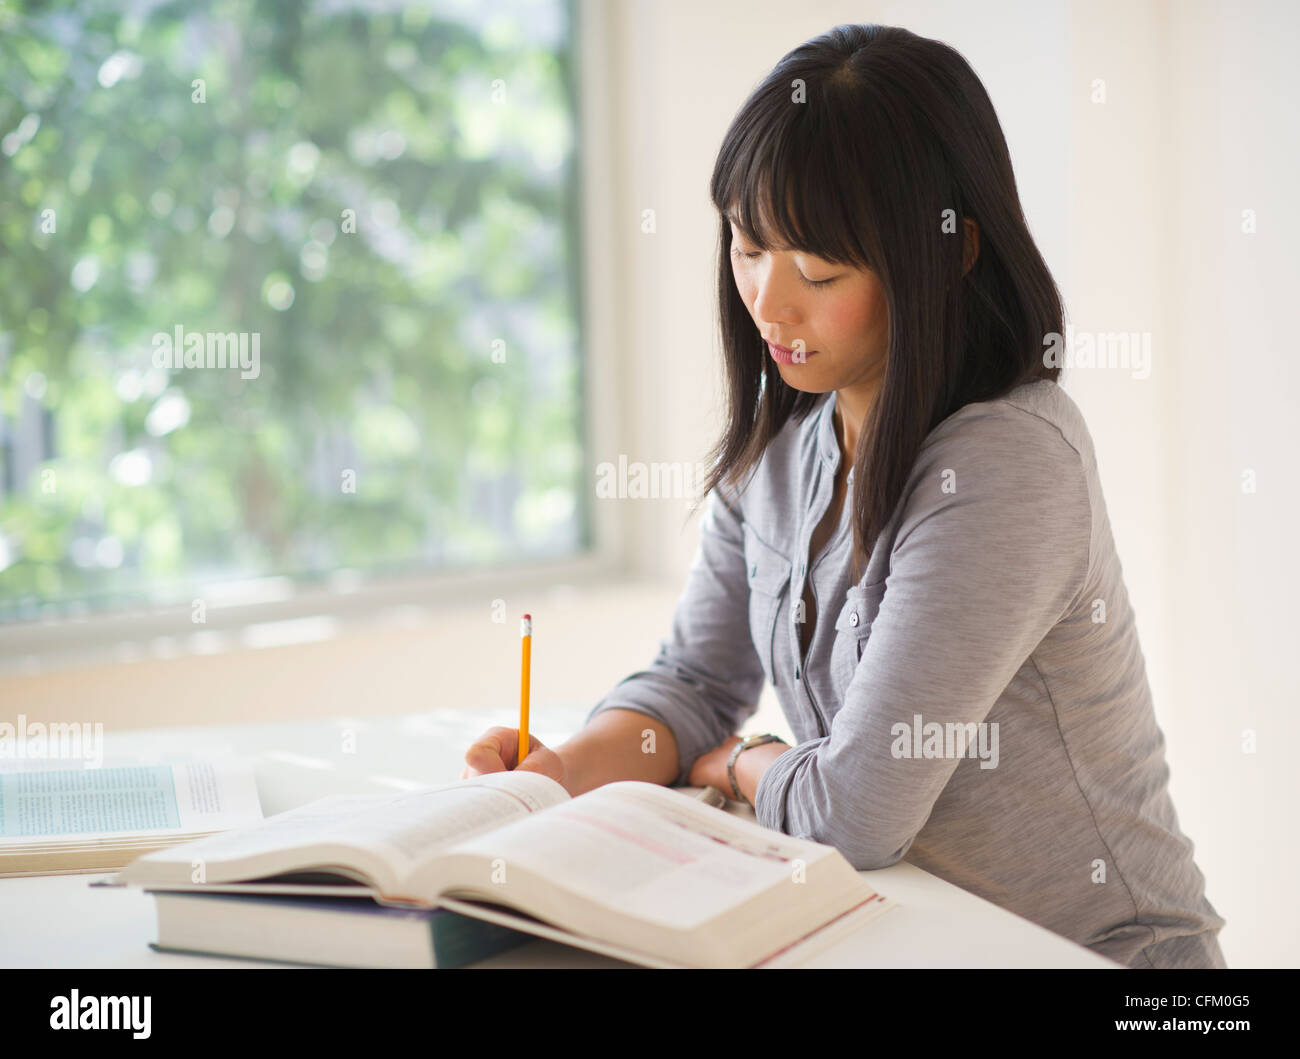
column 785, row 355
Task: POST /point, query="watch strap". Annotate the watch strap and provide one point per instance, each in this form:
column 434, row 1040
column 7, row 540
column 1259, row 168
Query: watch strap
column 746, row 744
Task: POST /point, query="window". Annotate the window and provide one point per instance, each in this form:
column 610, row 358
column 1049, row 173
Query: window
column 285, row 289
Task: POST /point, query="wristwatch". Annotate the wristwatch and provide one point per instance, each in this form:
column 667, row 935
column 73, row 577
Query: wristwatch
column 745, row 744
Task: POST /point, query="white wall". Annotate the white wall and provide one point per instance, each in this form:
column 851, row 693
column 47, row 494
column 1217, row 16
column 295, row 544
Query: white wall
column 1232, row 144
column 1136, row 203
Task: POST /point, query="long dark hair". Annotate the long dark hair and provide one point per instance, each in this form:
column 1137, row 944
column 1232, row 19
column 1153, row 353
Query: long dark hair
column 852, row 149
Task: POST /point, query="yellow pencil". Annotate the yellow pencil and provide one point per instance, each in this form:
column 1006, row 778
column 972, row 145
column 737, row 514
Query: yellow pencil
column 526, row 635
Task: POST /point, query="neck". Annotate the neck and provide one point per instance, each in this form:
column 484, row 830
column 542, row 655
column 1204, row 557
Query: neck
column 851, row 408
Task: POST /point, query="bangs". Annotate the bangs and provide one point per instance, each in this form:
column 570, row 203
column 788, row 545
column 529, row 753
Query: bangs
column 786, row 184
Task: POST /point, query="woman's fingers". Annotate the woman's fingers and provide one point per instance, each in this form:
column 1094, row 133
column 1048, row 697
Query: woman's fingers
column 493, row 751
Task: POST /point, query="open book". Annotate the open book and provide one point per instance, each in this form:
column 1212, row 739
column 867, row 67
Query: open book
column 59, row 821
column 632, row 869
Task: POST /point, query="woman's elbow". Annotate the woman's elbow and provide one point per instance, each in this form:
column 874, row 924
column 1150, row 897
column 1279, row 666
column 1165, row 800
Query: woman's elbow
column 871, row 858
column 863, row 850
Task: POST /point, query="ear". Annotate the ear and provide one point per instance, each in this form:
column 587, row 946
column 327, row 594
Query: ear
column 971, row 249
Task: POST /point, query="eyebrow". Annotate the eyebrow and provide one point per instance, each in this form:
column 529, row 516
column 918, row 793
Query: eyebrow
column 790, row 249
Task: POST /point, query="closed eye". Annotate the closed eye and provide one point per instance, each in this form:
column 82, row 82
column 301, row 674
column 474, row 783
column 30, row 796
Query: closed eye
column 807, row 282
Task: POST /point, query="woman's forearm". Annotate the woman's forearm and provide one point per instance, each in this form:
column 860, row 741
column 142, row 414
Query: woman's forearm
column 619, row 745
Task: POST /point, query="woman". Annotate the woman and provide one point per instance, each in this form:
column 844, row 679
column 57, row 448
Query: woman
column 918, row 557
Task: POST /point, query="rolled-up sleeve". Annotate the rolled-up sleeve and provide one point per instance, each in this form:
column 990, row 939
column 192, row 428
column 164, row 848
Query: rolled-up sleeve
column 706, row 680
column 992, row 549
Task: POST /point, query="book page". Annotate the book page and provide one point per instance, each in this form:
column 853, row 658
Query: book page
column 651, row 853
column 415, row 827
column 402, row 829
column 68, row 805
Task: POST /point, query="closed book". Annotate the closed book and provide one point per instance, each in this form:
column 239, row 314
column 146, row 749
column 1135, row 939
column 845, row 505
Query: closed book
column 325, row 931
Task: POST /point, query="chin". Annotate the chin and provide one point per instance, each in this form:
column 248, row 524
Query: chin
column 798, row 380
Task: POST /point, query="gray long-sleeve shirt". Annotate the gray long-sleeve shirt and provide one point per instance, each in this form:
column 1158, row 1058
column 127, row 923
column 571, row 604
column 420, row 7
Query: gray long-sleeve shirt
column 993, row 607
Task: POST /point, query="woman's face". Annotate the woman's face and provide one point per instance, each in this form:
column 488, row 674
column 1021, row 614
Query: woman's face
column 833, row 316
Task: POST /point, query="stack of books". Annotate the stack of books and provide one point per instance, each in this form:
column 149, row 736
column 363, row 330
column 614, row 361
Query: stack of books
column 447, row 876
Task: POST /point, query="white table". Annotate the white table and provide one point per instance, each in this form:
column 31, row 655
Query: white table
column 60, row 921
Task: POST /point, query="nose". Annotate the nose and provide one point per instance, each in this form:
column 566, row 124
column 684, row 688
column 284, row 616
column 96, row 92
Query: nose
column 773, row 299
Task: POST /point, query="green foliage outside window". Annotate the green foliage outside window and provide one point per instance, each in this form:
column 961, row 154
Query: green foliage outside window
column 383, row 194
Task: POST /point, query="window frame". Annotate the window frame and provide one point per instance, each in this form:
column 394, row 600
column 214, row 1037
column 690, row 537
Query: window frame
column 168, row 631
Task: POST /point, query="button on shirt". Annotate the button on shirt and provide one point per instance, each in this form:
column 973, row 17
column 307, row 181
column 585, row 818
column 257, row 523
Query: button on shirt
column 976, row 703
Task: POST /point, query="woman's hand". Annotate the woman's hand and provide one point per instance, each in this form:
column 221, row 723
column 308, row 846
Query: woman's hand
column 494, row 751
column 710, row 769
